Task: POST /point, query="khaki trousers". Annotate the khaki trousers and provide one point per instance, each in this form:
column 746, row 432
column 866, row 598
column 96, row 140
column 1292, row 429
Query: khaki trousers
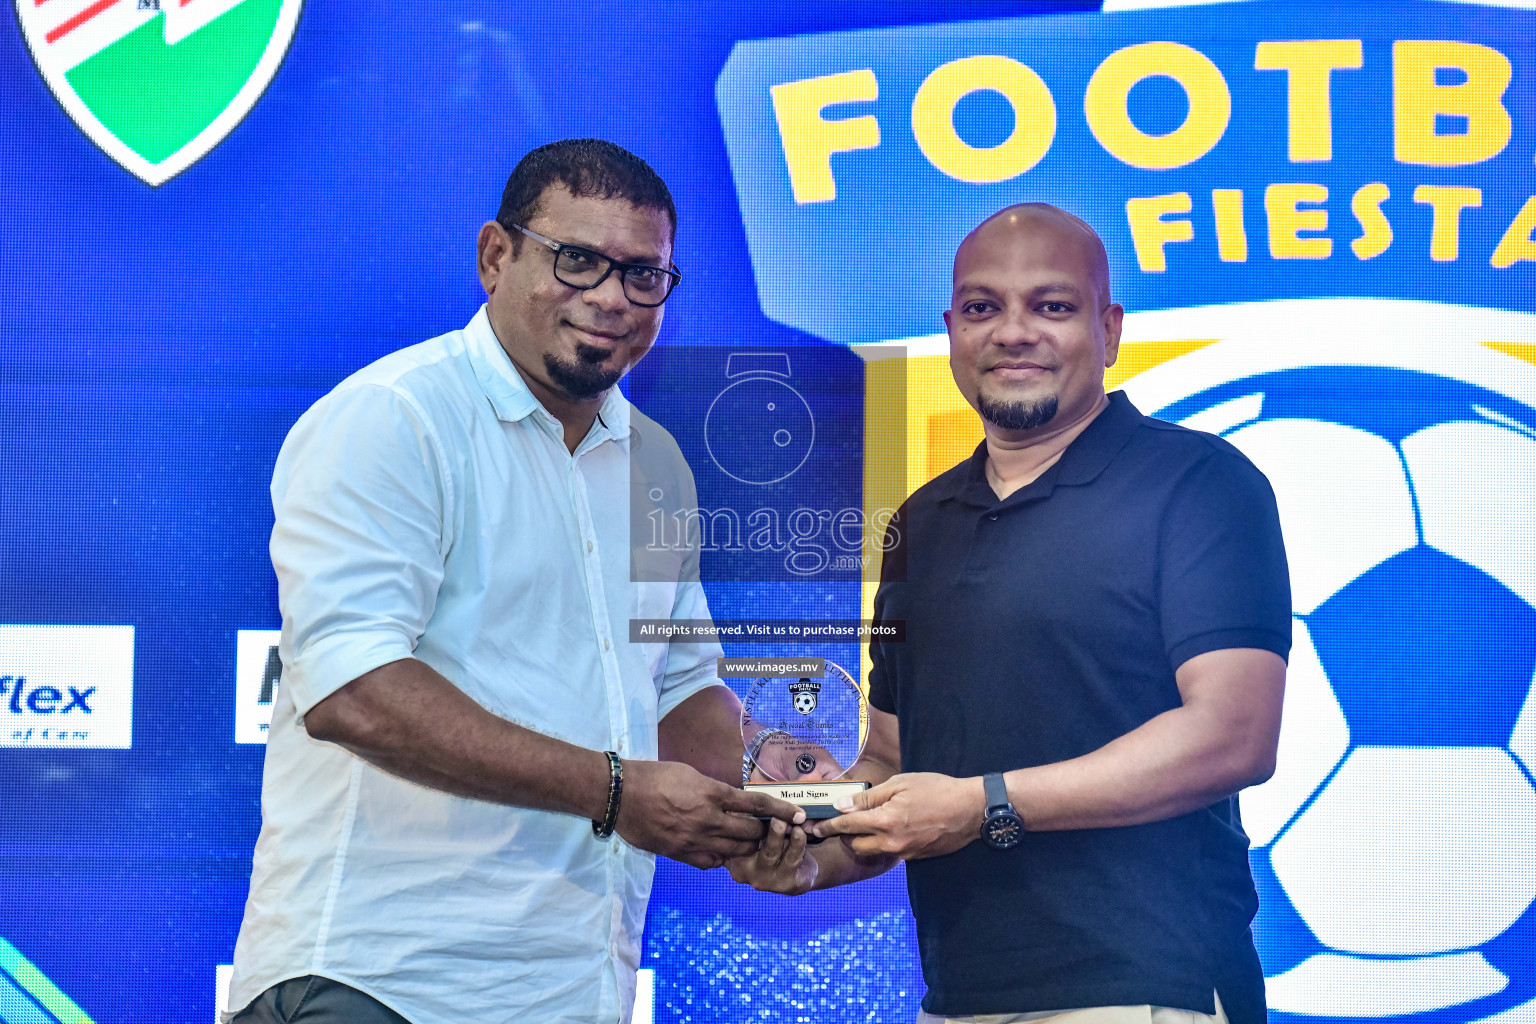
column 1088, row 1015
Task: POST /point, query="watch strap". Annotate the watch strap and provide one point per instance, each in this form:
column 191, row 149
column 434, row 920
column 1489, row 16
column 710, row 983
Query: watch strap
column 996, row 791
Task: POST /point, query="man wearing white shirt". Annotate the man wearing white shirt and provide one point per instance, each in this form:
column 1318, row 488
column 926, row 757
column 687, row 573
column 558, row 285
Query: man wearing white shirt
column 462, row 796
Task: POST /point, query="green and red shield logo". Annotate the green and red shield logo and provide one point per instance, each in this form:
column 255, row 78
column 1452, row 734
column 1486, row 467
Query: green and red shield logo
column 158, row 83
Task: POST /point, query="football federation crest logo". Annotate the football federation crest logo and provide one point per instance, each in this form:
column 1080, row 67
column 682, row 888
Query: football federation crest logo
column 805, row 692
column 157, row 84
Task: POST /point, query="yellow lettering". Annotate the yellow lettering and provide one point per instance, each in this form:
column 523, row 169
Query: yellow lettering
column 809, row 141
column 1375, row 229
column 1416, row 100
column 1309, row 65
column 1034, row 118
column 1231, row 235
column 1285, row 220
column 1447, row 202
column 1150, row 232
column 1210, row 105
column 1517, row 243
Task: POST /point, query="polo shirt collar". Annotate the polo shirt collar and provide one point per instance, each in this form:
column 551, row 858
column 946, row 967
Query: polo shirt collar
column 1091, row 451
column 1085, row 458
column 508, row 393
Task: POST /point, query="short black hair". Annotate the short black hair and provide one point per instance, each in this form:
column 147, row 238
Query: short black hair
column 587, row 167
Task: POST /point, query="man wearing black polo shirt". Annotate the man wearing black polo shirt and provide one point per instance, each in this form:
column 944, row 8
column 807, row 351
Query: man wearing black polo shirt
column 1097, row 617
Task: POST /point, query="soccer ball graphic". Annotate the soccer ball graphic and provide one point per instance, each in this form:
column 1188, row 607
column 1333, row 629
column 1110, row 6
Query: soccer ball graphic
column 1395, row 848
column 804, row 695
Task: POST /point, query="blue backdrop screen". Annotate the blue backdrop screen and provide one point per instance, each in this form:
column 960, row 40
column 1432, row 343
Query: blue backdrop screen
column 1320, row 219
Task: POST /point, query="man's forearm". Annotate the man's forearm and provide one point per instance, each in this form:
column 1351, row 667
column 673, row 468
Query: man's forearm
column 704, row 732
column 412, row 722
column 1220, row 741
column 408, row 720
column 1153, row 773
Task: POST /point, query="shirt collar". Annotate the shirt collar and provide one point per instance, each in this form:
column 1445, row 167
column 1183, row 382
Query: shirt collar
column 613, row 416
column 508, row 392
column 1085, row 458
column 1092, row 450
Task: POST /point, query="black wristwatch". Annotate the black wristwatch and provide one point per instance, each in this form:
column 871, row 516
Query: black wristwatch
column 1003, row 829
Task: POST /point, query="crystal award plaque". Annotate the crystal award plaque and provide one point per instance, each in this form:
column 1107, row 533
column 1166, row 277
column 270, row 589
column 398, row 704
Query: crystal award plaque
column 802, row 735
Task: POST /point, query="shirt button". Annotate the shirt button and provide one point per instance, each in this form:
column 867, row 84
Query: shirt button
column 589, row 543
column 606, row 645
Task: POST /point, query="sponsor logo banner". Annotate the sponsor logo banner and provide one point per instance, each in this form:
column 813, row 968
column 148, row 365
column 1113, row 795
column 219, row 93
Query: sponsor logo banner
column 258, row 674
column 66, row 686
column 1267, row 151
column 157, row 84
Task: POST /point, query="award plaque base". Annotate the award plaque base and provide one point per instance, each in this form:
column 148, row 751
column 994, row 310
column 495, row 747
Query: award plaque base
column 812, row 795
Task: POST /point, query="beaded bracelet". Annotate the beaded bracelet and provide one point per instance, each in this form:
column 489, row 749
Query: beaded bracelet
column 603, row 829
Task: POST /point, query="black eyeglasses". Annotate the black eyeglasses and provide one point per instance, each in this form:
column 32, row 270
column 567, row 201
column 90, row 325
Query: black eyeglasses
column 581, row 268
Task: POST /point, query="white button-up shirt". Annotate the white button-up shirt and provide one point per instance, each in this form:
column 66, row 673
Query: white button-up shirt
column 428, row 507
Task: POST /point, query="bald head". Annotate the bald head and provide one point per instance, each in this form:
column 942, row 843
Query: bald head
column 1031, row 324
column 1070, row 235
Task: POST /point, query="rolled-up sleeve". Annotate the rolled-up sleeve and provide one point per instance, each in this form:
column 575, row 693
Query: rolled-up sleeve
column 691, row 667
column 361, row 495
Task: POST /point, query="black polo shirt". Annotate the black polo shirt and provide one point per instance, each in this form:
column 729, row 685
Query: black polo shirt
column 1039, row 628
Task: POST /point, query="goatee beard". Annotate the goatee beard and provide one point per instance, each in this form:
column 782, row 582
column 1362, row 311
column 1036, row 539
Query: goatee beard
column 1017, row 415
column 585, row 378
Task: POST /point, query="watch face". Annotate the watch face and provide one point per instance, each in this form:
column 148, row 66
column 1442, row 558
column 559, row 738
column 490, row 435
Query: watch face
column 1003, row 830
